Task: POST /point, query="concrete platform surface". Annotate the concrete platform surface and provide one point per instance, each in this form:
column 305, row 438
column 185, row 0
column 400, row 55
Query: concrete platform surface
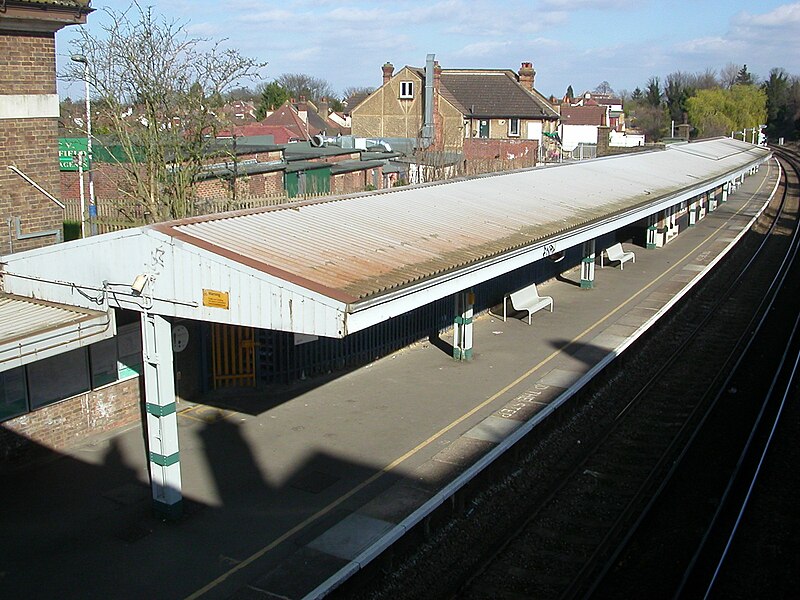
column 287, row 489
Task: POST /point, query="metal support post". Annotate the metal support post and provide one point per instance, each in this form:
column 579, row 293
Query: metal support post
column 587, row 265
column 712, row 200
column 651, row 232
column 462, row 337
column 725, row 192
column 162, row 418
column 693, row 212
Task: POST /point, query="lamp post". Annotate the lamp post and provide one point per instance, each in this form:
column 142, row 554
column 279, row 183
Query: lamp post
column 80, row 58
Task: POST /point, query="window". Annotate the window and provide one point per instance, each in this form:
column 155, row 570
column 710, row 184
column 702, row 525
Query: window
column 65, row 375
column 13, row 398
column 513, row 127
column 406, row 89
column 58, row 377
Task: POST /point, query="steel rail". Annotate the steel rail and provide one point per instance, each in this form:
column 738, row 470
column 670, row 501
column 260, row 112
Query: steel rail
column 591, row 451
column 748, row 449
column 729, row 366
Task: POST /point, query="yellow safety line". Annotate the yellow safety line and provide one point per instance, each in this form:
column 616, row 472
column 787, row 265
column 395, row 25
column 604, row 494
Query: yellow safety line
column 323, row 511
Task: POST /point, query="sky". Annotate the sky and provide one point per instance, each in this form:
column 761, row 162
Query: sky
column 570, row 42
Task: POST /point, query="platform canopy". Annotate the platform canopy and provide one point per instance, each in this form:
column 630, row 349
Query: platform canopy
column 31, row 330
column 337, row 265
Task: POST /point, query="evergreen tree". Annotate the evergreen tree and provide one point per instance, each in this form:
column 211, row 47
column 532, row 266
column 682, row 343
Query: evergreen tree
column 652, row 94
column 743, row 77
column 271, row 98
column 570, row 94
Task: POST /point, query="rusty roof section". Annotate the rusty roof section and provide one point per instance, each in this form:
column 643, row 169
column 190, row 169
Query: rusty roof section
column 359, row 247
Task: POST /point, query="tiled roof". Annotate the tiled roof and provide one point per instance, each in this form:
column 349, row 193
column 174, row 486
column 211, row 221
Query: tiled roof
column 80, row 4
column 582, row 115
column 492, row 94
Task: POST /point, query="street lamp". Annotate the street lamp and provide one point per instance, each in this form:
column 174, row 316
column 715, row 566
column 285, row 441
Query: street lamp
column 80, row 58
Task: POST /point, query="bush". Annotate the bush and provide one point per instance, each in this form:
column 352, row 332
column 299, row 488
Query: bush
column 72, row 230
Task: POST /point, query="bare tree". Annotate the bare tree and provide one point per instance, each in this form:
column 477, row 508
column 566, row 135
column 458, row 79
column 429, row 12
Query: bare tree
column 728, row 74
column 604, row 88
column 351, row 91
column 299, row 84
column 157, row 91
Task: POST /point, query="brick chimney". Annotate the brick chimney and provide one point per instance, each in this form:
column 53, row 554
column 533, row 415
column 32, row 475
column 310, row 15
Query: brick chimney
column 527, row 75
column 323, row 107
column 438, row 134
column 302, row 109
column 388, row 71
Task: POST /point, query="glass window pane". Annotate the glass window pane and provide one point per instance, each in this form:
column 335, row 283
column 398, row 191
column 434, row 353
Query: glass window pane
column 13, row 396
column 58, row 377
column 129, row 350
column 103, row 356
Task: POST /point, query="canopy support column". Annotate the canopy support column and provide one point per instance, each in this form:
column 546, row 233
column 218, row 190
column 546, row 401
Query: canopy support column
column 462, row 336
column 652, row 230
column 587, row 265
column 725, row 191
column 712, row 200
column 162, row 418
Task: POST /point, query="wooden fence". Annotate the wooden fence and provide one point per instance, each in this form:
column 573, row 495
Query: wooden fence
column 117, row 214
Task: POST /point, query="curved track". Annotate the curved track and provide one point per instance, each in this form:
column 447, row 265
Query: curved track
column 569, row 532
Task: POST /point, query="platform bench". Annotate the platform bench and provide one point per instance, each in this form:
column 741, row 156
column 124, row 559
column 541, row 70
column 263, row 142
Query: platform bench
column 616, row 252
column 527, row 299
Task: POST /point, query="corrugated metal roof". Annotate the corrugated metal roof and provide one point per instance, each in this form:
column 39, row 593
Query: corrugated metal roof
column 31, row 330
column 20, row 317
column 360, row 247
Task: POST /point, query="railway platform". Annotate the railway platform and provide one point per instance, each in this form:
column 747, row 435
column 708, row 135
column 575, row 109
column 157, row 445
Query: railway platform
column 288, row 490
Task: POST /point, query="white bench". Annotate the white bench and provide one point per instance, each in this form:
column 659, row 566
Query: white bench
column 527, row 299
column 616, row 252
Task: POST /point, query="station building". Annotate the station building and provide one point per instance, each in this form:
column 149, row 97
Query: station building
column 271, row 296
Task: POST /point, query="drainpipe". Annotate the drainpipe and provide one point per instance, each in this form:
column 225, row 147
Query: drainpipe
column 37, row 186
column 35, row 234
column 427, row 126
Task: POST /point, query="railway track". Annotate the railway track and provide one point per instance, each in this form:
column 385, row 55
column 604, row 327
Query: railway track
column 569, row 543
column 577, row 494
column 699, row 544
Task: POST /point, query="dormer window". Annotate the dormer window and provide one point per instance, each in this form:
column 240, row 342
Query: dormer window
column 406, row 89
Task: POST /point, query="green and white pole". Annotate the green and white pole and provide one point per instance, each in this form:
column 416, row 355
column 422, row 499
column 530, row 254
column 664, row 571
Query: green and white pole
column 725, row 188
column 652, row 230
column 587, row 265
column 462, row 336
column 162, row 417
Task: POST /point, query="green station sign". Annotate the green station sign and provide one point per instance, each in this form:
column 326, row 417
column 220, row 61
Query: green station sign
column 68, row 149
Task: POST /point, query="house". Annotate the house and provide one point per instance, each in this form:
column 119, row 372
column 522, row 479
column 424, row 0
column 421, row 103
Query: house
column 305, row 120
column 239, row 112
column 484, row 114
column 613, row 105
column 579, row 124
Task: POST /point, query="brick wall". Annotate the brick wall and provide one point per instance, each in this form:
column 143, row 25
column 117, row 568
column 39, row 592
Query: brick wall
column 348, row 183
column 27, row 66
column 478, row 148
column 27, row 63
column 67, row 423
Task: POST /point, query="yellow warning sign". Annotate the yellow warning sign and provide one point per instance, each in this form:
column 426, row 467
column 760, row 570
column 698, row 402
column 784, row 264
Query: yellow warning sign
column 216, row 299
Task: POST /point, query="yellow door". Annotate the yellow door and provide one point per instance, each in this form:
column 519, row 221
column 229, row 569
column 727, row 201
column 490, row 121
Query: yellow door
column 233, row 356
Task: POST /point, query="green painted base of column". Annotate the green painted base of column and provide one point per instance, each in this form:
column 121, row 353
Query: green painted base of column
column 459, row 354
column 651, row 246
column 168, row 512
column 586, row 284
